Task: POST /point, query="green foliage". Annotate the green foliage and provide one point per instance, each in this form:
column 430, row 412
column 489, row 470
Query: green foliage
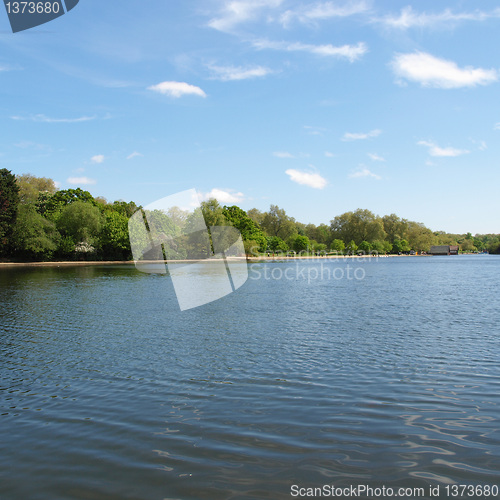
column 352, row 248
column 277, row 223
column 9, row 201
column 248, row 229
column 31, row 186
column 358, row 226
column 34, row 237
column 52, row 206
column 82, row 222
column 276, row 244
column 114, row 238
column 337, row 246
column 364, row 247
column 299, row 243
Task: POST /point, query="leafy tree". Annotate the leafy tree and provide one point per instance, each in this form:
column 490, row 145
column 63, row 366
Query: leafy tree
column 364, row 247
column 257, row 216
column 34, row 237
column 124, row 208
column 352, row 248
column 420, row 238
column 400, row 246
column 299, row 243
column 277, row 223
column 82, row 222
column 394, row 227
column 115, row 237
column 276, row 244
column 53, row 205
column 9, row 201
column 337, row 246
column 245, row 225
column 30, row 186
column 358, row 226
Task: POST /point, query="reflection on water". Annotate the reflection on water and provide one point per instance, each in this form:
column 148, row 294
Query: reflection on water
column 107, row 390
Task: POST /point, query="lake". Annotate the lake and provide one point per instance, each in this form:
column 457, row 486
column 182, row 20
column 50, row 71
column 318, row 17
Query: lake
column 305, row 376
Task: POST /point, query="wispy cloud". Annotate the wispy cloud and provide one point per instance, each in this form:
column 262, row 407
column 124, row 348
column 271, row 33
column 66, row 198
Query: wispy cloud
column 375, row 157
column 283, row 154
column 135, row 154
column 435, row 150
column 328, row 154
column 431, row 71
column 81, row 181
column 236, row 12
column 33, row 145
column 350, row 52
column 313, row 180
column 224, row 195
column 47, row 119
column 408, row 18
column 97, row 159
column 497, row 126
column 321, row 11
column 232, row 73
column 177, row 89
column 348, row 136
column 363, row 172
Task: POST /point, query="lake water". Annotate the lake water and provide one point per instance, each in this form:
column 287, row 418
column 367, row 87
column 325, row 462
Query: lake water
column 306, row 377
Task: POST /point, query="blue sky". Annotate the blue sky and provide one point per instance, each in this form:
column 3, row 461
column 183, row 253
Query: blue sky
column 318, row 107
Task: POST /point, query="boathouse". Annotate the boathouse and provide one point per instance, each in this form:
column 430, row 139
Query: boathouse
column 444, row 250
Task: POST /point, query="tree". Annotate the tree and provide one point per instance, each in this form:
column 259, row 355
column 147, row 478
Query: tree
column 82, row 222
column 53, row 205
column 352, row 248
column 256, row 215
column 337, row 246
column 394, row 227
column 9, row 201
column 30, row 186
column 420, row 238
column 277, row 223
column 299, row 243
column 276, row 244
column 364, row 247
column 34, row 237
column 358, row 226
column 115, row 237
column 245, row 225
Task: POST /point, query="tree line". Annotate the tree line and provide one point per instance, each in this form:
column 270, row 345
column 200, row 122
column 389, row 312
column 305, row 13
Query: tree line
column 39, row 222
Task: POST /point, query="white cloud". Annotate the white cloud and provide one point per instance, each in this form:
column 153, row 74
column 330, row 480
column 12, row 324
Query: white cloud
column 435, row 150
column 322, row 11
column 97, row 159
column 224, row 196
column 47, row 119
column 431, row 71
column 328, row 154
column 232, row 73
column 497, row 126
column 177, row 89
column 350, row 52
column 81, row 181
column 408, row 18
column 375, row 157
column 364, row 172
column 307, row 179
column 348, row 136
column 236, row 12
column 283, row 154
column 134, row 155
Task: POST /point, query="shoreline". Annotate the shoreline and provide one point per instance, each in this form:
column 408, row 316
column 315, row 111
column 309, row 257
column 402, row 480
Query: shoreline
column 263, row 258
